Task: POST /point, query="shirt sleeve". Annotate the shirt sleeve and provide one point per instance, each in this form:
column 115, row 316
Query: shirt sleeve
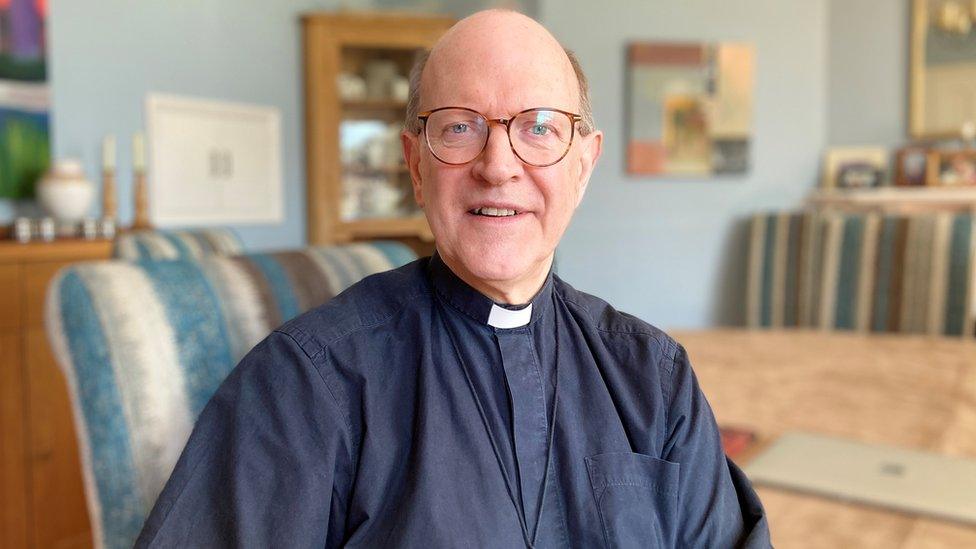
column 267, row 463
column 718, row 506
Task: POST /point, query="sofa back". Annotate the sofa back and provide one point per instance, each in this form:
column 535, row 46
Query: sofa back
column 143, row 346
column 863, row 272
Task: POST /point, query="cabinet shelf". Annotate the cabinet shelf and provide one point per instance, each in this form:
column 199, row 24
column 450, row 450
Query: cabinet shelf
column 379, row 172
column 414, row 226
column 901, row 199
column 374, row 104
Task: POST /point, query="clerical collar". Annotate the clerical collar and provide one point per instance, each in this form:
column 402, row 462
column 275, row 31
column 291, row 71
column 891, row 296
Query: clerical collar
column 480, row 307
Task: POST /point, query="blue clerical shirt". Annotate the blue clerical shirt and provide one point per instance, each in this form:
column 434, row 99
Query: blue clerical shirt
column 412, row 411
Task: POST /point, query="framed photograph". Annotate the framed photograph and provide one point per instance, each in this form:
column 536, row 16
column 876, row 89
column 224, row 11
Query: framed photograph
column 854, row 168
column 952, row 168
column 911, row 166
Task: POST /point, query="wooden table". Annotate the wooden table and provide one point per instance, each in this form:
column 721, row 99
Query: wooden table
column 917, row 392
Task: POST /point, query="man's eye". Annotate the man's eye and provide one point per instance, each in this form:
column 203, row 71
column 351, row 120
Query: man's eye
column 539, row 129
column 458, row 128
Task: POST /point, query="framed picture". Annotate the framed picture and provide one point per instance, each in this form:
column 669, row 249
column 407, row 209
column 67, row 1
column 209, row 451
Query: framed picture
column 943, row 62
column 213, row 162
column 24, row 98
column 952, row 168
column 911, row 166
column 852, row 168
column 689, row 108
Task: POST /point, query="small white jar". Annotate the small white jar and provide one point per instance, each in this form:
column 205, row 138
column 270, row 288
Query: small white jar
column 64, row 192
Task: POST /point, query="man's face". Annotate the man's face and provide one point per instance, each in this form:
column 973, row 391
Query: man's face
column 500, row 81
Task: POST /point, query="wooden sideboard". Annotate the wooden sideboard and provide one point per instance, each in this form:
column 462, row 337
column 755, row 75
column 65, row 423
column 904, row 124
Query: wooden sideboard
column 913, row 391
column 42, row 501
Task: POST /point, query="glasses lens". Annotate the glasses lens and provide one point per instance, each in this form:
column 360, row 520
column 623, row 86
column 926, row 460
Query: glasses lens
column 541, row 137
column 456, row 136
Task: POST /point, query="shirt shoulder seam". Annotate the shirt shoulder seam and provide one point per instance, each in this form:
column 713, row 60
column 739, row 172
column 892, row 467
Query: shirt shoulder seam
column 671, row 353
column 321, row 347
column 304, row 339
column 314, row 359
column 603, row 328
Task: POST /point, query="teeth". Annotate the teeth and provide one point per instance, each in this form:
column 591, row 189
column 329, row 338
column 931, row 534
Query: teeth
column 494, row 212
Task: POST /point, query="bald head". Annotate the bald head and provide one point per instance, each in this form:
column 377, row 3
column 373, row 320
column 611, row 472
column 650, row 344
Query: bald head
column 494, row 47
column 494, row 40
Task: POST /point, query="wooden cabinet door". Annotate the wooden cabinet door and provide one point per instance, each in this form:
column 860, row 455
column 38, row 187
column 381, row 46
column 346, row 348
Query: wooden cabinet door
column 13, row 454
column 60, row 517
column 11, row 298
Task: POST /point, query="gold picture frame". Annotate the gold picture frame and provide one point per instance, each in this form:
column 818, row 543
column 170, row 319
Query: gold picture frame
column 942, row 78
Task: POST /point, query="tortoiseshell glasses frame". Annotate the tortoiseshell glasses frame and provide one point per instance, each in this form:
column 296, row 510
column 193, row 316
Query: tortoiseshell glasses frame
column 558, row 155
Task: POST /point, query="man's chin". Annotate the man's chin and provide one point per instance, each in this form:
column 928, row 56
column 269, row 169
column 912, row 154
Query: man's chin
column 501, row 271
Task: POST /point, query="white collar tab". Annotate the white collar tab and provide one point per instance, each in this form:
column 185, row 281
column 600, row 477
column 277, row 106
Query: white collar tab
column 500, row 317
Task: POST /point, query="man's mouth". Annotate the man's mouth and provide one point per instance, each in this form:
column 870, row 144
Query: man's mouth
column 493, row 212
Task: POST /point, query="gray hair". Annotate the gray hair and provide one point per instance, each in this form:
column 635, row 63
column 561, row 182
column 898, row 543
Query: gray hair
column 412, row 124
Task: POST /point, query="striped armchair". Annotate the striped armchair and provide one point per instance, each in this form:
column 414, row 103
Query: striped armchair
column 185, row 244
column 143, row 345
column 863, row 272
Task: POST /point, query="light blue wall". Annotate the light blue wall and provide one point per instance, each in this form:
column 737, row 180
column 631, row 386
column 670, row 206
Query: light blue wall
column 106, row 55
column 868, row 53
column 668, row 250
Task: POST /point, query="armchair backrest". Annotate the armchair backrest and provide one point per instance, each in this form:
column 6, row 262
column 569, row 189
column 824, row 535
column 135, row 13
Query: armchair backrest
column 143, row 346
column 184, row 244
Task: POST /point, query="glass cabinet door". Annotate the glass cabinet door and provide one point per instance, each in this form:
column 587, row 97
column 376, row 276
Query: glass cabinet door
column 373, row 90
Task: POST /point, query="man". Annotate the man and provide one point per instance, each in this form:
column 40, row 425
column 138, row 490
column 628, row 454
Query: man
column 471, row 399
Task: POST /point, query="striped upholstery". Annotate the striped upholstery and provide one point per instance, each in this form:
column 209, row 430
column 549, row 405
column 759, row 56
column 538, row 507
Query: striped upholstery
column 195, row 244
column 781, row 280
column 863, row 272
column 144, row 345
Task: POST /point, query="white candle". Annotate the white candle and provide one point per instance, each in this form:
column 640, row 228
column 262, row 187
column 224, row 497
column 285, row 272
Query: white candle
column 108, row 153
column 139, row 152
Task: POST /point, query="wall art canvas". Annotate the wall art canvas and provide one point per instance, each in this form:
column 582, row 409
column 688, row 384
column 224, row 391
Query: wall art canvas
column 24, row 103
column 689, row 108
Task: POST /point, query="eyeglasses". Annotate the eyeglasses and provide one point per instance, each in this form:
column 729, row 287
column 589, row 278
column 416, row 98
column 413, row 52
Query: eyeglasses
column 539, row 137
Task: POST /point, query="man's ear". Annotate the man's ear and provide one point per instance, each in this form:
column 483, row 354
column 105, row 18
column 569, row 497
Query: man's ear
column 411, row 153
column 591, row 147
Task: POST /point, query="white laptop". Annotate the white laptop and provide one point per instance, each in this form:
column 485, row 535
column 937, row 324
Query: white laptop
column 905, row 480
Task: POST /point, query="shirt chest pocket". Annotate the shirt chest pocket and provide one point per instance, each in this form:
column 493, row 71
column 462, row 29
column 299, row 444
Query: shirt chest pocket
column 637, row 498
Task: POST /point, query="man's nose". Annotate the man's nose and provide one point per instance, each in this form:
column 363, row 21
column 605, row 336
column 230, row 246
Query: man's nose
column 497, row 163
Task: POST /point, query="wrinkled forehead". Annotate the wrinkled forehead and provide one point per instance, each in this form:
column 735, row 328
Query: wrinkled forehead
column 499, row 71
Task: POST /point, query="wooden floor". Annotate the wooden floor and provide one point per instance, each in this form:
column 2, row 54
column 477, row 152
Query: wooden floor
column 918, row 392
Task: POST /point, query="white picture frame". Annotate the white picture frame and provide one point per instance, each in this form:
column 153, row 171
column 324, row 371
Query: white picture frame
column 212, row 162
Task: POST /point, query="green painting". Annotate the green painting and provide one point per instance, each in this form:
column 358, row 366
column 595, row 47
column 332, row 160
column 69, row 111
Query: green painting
column 24, row 151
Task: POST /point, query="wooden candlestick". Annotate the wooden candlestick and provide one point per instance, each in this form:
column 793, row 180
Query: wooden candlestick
column 109, row 201
column 141, row 194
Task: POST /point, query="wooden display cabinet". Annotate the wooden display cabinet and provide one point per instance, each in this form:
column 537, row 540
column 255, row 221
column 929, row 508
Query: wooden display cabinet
column 357, row 184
